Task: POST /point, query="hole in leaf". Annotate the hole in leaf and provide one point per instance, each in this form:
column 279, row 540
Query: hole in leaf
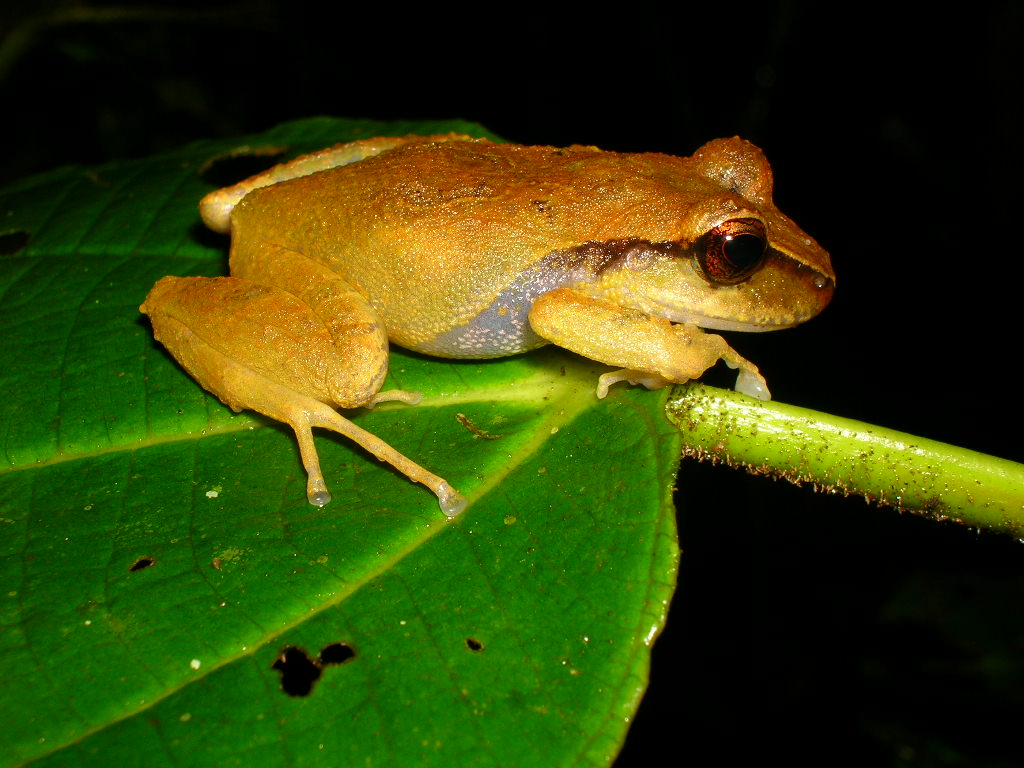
column 336, row 653
column 141, row 564
column 299, row 672
column 13, row 241
column 240, row 163
column 474, row 645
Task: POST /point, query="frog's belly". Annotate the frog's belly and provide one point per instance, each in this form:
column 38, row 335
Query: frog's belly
column 502, row 329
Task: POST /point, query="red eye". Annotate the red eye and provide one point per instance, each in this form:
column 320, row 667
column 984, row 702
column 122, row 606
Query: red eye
column 732, row 251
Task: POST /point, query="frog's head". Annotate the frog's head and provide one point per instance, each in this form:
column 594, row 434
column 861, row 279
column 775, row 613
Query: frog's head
column 733, row 262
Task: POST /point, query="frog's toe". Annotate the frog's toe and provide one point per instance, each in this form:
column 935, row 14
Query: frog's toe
column 646, row 378
column 452, row 502
column 753, row 384
column 407, row 396
column 317, row 496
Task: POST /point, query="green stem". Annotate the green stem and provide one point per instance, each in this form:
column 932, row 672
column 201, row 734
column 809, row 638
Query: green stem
column 850, row 457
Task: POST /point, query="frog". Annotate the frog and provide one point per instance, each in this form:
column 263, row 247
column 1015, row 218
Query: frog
column 459, row 247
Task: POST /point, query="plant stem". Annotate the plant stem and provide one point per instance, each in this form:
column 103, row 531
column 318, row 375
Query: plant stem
column 850, row 457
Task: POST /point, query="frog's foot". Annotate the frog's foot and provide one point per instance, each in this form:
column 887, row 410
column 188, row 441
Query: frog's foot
column 408, row 396
column 313, row 414
column 648, row 379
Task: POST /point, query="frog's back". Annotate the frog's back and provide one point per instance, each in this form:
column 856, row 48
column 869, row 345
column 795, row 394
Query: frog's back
column 434, row 233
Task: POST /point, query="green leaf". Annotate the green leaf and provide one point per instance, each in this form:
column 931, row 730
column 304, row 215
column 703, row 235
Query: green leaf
column 159, row 555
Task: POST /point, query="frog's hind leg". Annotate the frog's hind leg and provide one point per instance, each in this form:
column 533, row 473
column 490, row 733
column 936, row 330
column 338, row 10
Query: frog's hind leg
column 302, row 413
column 292, row 355
column 358, row 363
column 451, row 501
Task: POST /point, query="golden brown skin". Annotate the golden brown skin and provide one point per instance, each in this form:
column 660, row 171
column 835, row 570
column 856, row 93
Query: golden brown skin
column 459, row 247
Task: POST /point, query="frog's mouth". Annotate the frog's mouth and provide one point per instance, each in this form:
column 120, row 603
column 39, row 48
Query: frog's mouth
column 757, row 306
column 707, row 322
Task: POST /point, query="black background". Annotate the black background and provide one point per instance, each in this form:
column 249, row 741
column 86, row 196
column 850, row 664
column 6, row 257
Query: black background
column 814, row 629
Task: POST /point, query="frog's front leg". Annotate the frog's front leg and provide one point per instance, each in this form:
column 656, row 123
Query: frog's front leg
column 292, row 353
column 650, row 350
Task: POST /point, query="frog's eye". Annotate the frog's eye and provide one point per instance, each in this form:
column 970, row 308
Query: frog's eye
column 732, row 251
